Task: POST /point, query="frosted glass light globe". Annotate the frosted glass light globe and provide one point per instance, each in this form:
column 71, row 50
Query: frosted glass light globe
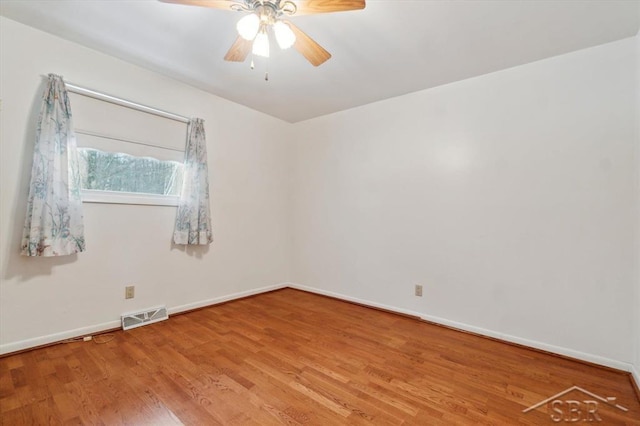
column 284, row 35
column 248, row 26
column 261, row 45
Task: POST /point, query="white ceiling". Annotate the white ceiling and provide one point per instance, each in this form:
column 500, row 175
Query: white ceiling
column 388, row 49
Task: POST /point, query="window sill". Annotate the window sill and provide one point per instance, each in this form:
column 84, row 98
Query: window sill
column 111, row 197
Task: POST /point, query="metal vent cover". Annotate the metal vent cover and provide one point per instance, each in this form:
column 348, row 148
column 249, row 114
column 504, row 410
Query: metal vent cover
column 148, row 316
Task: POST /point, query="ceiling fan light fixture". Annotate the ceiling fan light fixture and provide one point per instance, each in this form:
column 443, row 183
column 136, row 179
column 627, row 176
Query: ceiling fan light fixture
column 262, row 15
column 248, row 26
column 284, row 35
column 261, row 44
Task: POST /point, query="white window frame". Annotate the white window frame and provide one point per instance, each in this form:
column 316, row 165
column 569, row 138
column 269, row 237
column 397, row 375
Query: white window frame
column 134, row 198
column 123, row 197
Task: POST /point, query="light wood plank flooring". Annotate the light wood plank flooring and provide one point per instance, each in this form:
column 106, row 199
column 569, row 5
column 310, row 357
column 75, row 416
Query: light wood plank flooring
column 290, row 357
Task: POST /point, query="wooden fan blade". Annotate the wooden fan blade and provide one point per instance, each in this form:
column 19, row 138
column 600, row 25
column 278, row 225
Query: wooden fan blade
column 311, row 50
column 310, row 7
column 239, row 50
column 215, row 4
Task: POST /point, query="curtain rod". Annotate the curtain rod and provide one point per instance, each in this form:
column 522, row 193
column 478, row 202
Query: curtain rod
column 123, row 102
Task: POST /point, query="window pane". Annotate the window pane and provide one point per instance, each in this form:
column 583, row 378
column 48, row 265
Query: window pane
column 109, row 171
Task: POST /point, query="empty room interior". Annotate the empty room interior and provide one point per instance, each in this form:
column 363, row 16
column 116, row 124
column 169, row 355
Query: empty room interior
column 319, row 212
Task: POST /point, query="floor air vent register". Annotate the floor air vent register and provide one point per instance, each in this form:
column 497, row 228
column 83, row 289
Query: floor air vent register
column 148, row 316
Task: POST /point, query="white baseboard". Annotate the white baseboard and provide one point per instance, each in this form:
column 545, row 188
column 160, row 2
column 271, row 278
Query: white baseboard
column 635, row 375
column 57, row 337
column 97, row 328
column 596, row 359
column 354, row 299
column 222, row 299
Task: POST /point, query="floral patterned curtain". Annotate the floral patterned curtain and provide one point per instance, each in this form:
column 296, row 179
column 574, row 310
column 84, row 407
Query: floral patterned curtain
column 54, row 224
column 193, row 221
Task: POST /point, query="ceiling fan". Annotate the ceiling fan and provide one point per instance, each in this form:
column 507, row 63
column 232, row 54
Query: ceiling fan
column 265, row 16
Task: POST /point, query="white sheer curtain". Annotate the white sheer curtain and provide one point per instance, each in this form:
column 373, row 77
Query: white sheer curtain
column 193, row 220
column 54, row 224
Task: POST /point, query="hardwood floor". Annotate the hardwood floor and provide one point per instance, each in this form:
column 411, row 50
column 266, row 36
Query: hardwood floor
column 290, row 357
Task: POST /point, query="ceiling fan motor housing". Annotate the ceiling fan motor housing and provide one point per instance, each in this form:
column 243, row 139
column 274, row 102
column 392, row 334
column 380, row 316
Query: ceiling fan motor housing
column 277, row 8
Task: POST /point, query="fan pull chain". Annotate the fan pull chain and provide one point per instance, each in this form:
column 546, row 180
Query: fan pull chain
column 266, row 74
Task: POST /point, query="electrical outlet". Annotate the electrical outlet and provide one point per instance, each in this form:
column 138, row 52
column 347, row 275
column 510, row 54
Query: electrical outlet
column 418, row 290
column 129, row 292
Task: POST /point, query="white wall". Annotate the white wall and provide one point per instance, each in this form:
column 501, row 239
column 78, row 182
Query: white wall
column 41, row 297
column 509, row 196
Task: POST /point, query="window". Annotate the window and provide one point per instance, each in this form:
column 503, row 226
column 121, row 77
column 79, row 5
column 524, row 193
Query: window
column 127, row 156
column 108, row 171
column 128, row 175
